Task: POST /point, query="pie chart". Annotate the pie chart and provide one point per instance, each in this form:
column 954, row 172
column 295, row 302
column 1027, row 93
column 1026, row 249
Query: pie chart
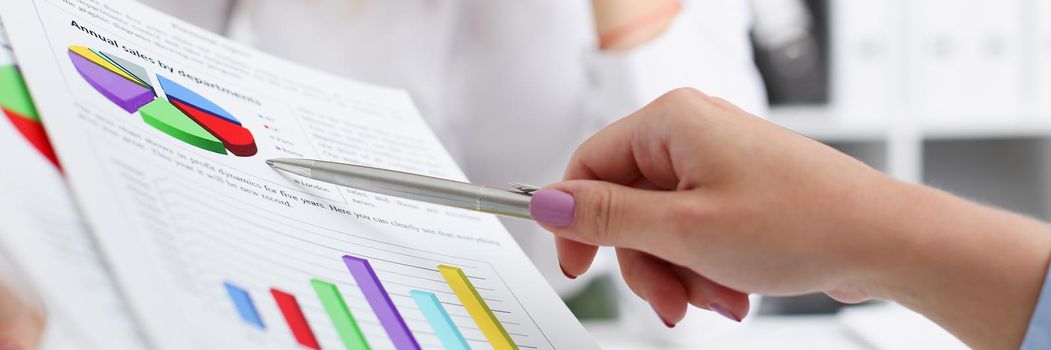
column 180, row 113
column 18, row 107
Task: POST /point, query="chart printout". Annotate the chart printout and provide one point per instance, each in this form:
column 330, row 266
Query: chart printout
column 42, row 234
column 162, row 130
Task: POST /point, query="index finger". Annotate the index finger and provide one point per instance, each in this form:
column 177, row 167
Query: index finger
column 634, row 148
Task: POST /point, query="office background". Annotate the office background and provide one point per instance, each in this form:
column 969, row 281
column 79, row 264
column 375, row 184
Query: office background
column 955, row 94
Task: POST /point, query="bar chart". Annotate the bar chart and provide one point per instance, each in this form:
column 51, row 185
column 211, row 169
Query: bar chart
column 346, row 326
column 326, row 289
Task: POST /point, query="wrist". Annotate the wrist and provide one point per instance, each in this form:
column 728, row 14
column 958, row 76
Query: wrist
column 974, row 270
column 871, row 224
column 902, row 243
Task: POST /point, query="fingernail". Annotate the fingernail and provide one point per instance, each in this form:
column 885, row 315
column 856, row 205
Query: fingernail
column 667, row 323
column 552, row 207
column 10, row 345
column 719, row 309
column 569, row 276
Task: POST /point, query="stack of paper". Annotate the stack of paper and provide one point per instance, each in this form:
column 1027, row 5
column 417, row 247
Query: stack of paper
column 162, row 130
column 42, row 233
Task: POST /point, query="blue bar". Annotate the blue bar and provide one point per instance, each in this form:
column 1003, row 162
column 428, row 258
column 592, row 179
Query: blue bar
column 439, row 319
column 245, row 306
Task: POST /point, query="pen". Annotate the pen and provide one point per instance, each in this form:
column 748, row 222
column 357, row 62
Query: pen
column 507, row 202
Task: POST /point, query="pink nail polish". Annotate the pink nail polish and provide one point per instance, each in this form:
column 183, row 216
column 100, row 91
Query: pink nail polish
column 667, row 323
column 564, row 272
column 719, row 309
column 552, row 207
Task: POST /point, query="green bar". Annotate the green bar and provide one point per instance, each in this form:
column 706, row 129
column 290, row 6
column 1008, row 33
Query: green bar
column 340, row 315
column 14, row 95
column 165, row 117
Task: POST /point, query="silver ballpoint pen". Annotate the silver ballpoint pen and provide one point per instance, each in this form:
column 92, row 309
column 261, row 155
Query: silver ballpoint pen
column 507, row 202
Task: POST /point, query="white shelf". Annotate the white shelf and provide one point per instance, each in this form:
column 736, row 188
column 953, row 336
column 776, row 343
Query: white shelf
column 896, row 142
column 828, row 125
column 822, row 123
column 1019, row 127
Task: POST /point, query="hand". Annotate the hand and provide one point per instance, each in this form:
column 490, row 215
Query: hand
column 706, row 203
column 694, row 190
column 21, row 324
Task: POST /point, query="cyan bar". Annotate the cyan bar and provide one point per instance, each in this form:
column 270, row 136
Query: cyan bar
column 440, row 321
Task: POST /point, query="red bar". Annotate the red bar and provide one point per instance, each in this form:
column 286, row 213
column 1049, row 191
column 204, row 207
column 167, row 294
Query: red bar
column 294, row 316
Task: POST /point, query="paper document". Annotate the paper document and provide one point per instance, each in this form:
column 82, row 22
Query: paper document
column 163, row 129
column 42, row 233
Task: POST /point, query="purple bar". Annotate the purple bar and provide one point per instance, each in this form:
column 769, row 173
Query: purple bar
column 121, row 91
column 380, row 302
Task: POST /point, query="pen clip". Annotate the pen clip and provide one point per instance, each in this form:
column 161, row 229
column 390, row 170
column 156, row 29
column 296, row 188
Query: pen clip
column 524, row 189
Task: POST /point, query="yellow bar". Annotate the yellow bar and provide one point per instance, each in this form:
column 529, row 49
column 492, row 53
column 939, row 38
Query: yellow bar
column 480, row 312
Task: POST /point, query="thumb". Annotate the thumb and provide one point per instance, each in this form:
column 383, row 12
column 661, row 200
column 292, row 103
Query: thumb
column 603, row 213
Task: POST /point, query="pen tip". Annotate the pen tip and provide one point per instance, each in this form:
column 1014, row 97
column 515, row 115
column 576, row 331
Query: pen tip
column 270, row 162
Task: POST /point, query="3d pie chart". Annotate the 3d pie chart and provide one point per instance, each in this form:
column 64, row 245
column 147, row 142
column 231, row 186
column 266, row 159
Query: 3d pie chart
column 181, row 113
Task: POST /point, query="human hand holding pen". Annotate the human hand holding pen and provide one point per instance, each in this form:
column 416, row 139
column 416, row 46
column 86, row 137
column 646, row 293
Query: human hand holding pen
column 706, row 203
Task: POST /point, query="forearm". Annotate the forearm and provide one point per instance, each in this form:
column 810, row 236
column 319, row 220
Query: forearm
column 975, row 270
column 625, row 24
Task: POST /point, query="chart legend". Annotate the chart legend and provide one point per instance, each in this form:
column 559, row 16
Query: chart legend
column 182, row 114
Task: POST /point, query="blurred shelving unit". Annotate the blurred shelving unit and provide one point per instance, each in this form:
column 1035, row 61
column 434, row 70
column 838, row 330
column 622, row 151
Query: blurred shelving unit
column 999, row 160
column 953, row 94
